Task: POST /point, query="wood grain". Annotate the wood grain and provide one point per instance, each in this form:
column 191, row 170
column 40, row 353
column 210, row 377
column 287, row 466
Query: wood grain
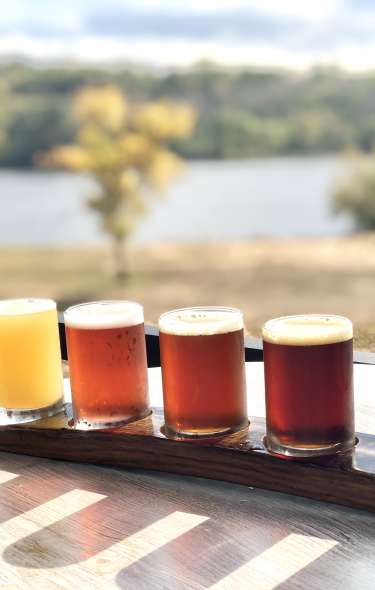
column 68, row 525
column 348, row 479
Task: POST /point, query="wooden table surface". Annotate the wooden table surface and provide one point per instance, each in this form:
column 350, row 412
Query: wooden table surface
column 74, row 526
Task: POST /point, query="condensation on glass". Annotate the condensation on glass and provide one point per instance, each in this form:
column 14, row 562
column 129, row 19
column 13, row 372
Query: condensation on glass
column 107, row 362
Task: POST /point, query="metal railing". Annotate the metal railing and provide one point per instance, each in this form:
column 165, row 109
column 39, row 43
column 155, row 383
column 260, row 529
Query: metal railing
column 253, row 347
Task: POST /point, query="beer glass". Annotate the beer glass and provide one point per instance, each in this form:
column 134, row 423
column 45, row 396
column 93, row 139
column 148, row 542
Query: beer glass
column 107, row 362
column 203, row 371
column 31, row 384
column 308, row 364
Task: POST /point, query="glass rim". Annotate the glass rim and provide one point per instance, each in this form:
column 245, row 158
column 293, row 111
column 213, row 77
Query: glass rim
column 202, row 320
column 277, row 330
column 308, row 315
column 209, row 308
column 104, row 314
column 100, row 302
column 50, row 304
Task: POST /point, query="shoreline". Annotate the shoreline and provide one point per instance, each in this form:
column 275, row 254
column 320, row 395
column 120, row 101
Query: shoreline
column 264, row 277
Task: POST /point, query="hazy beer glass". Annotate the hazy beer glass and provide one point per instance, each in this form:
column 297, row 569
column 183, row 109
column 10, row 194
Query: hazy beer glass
column 31, row 385
column 308, row 363
column 203, row 370
column 107, row 362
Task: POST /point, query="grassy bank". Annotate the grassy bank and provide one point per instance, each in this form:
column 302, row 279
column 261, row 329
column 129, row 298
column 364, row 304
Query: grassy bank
column 264, row 278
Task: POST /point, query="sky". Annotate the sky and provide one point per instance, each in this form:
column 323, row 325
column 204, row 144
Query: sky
column 289, row 33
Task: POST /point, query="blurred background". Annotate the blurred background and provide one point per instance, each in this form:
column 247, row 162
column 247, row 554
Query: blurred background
column 211, row 152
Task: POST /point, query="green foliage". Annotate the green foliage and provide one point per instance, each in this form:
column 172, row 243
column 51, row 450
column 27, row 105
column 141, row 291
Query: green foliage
column 312, row 131
column 366, row 134
column 234, row 134
column 241, row 112
column 35, row 127
column 355, row 194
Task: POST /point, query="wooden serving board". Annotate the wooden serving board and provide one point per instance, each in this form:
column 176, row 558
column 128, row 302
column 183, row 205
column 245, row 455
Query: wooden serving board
column 241, row 458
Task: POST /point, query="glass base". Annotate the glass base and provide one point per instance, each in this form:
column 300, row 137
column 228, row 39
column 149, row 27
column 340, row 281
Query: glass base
column 274, row 446
column 10, row 417
column 202, row 434
column 91, row 424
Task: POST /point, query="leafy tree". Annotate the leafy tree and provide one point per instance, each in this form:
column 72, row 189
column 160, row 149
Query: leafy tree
column 355, row 193
column 243, row 111
column 125, row 149
column 234, row 134
column 33, row 127
column 366, row 134
column 312, row 131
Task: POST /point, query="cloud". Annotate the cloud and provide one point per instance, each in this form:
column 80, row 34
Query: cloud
column 237, row 24
column 289, row 24
column 145, row 18
column 297, row 31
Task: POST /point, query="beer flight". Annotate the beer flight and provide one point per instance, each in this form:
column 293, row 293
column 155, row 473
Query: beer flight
column 308, row 365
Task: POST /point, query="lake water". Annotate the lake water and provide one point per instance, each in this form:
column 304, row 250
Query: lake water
column 278, row 197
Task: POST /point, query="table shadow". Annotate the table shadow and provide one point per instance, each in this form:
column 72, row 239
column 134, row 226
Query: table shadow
column 242, row 523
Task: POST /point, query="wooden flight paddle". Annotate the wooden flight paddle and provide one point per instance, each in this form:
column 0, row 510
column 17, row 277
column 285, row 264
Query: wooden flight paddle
column 241, row 458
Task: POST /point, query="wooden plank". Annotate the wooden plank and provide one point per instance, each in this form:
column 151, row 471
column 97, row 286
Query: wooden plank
column 348, row 479
column 153, row 530
column 145, row 532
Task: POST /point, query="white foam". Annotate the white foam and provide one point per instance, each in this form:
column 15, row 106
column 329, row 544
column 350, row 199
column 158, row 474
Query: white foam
column 11, row 307
column 104, row 315
column 200, row 321
column 306, row 330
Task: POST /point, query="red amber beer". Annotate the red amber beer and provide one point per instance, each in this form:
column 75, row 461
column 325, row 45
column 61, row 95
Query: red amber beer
column 203, row 370
column 107, row 361
column 308, row 363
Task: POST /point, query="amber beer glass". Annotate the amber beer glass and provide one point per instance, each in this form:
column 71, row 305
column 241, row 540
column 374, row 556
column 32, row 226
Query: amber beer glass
column 107, row 362
column 308, row 363
column 203, row 371
column 31, row 384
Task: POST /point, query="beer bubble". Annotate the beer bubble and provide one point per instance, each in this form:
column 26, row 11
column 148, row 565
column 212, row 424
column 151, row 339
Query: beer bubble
column 98, row 315
column 25, row 306
column 201, row 321
column 309, row 329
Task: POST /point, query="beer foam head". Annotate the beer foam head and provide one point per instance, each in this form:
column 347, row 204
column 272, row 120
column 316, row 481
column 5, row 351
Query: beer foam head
column 307, row 330
column 104, row 315
column 10, row 307
column 201, row 321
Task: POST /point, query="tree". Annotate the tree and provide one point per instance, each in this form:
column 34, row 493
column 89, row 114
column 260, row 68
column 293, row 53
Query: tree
column 125, row 149
column 355, row 193
column 35, row 126
column 318, row 131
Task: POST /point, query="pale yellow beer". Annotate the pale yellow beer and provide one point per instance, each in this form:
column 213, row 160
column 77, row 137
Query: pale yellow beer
column 31, row 383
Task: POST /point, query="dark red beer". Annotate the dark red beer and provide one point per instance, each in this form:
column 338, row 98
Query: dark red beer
column 308, row 362
column 107, row 361
column 203, row 370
